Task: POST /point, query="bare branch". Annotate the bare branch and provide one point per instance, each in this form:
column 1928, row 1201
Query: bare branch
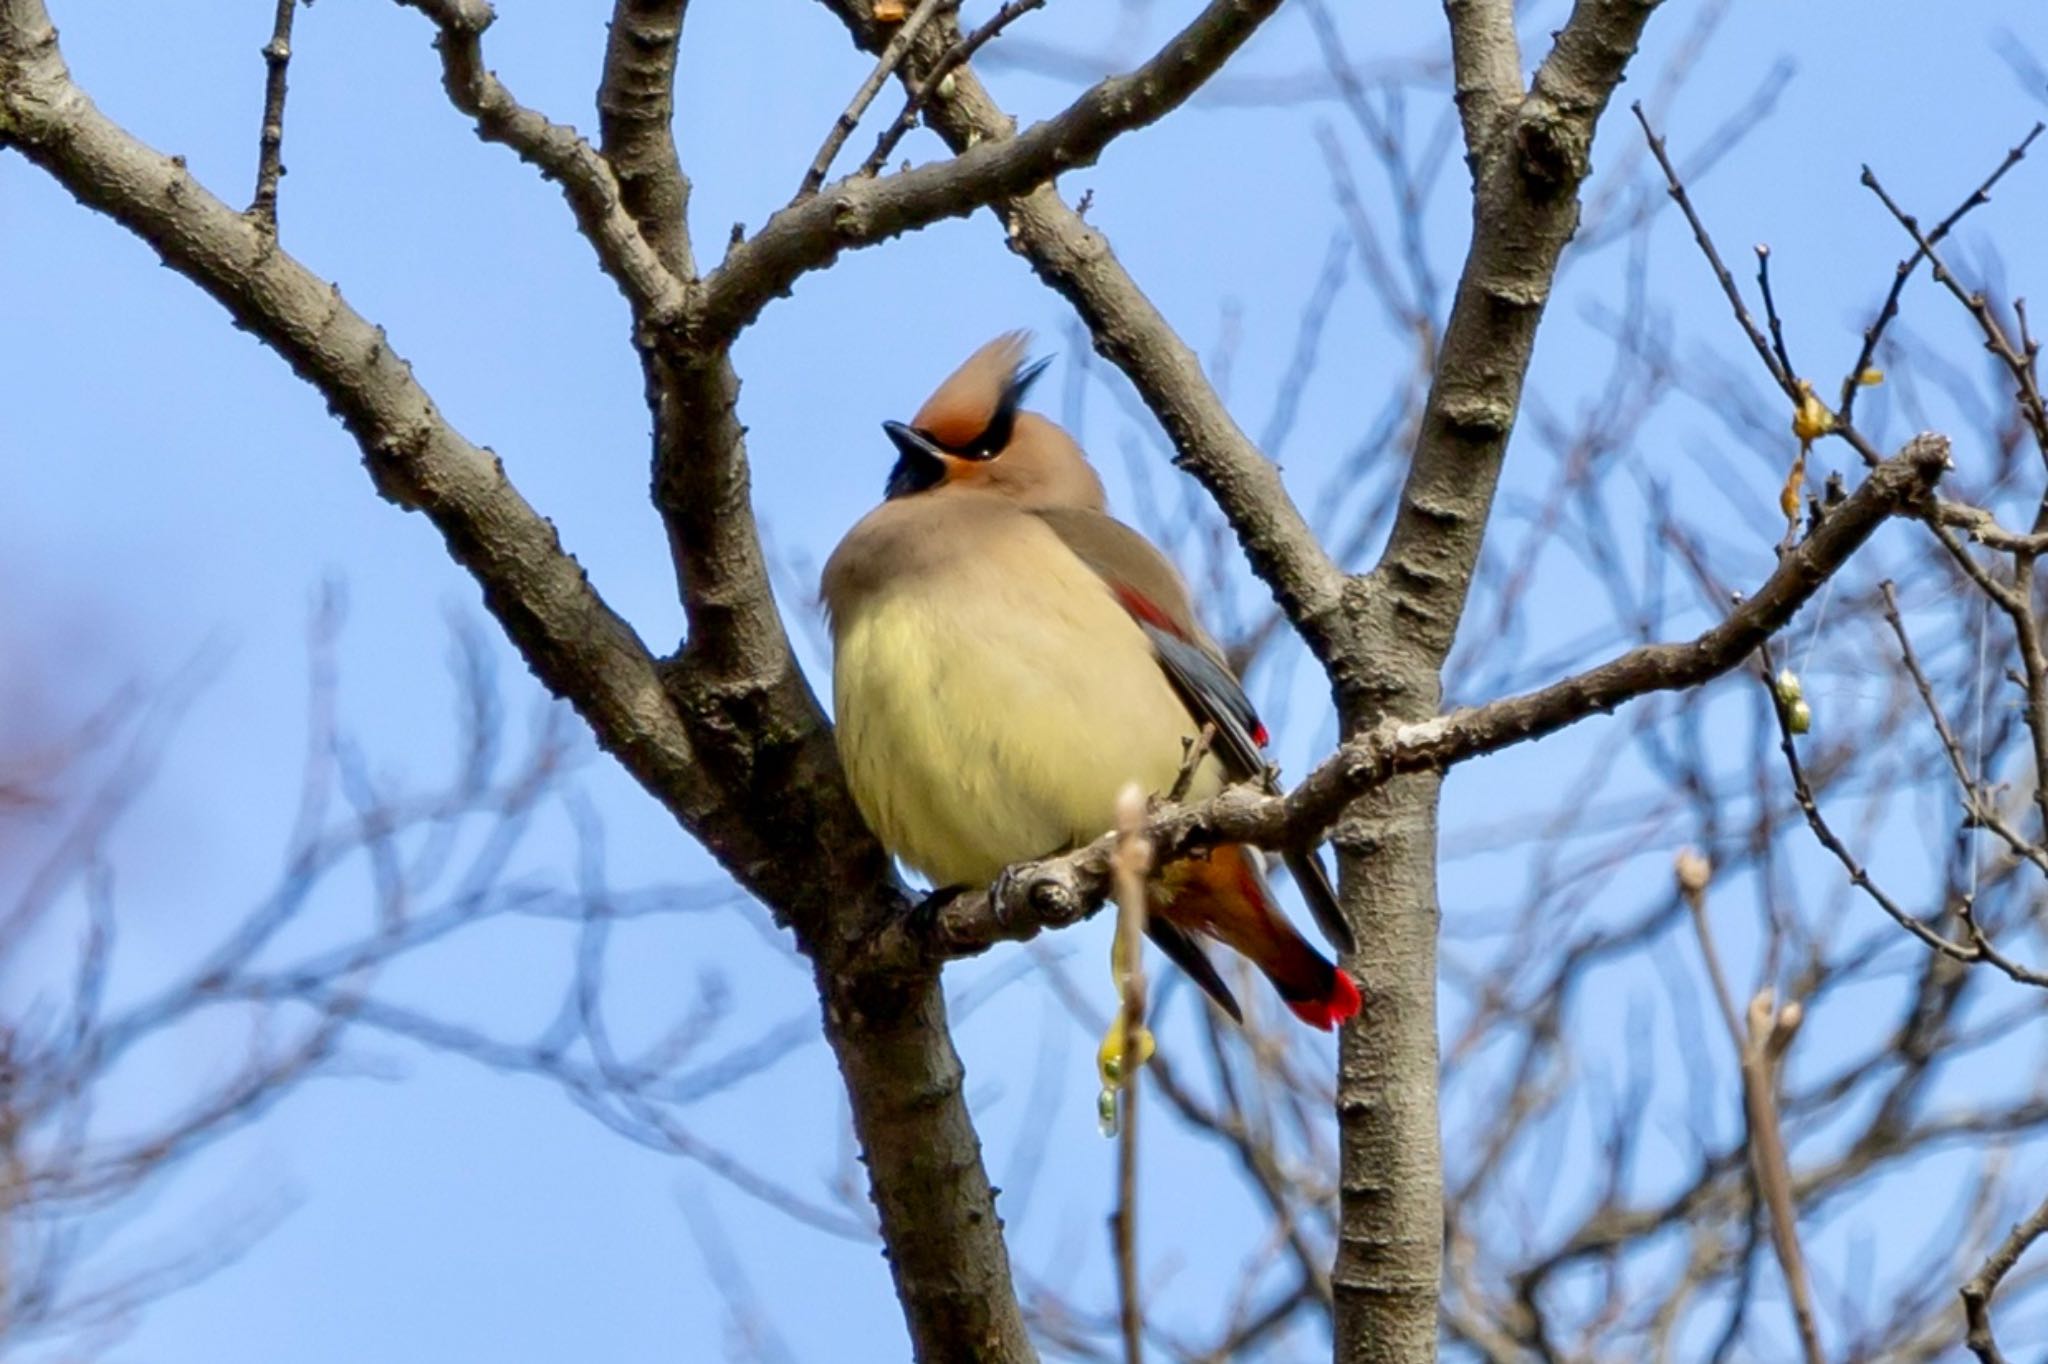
column 1851, row 382
column 1486, row 66
column 1061, row 890
column 636, row 107
column 858, row 212
column 930, row 80
column 849, row 118
column 594, row 195
column 277, row 55
column 1978, row 1291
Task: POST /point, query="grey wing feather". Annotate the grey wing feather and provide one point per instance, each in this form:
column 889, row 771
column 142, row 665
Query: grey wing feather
column 1188, row 955
column 1215, row 696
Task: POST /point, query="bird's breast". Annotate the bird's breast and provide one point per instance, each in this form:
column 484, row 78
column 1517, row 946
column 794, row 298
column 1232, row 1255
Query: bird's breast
column 990, row 712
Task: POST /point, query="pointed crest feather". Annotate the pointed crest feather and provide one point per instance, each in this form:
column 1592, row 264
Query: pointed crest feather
column 961, row 408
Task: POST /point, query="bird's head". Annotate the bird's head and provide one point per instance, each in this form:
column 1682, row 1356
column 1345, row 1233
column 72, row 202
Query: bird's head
column 971, row 434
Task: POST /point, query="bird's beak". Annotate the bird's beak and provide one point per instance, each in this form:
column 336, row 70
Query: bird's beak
column 920, row 464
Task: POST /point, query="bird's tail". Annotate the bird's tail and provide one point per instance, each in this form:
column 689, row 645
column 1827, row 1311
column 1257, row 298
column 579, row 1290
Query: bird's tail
column 1225, row 896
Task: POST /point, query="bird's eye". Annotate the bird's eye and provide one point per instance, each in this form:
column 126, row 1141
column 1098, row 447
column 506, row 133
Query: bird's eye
column 996, row 435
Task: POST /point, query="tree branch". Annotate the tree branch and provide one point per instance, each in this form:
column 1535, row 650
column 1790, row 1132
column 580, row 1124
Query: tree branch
column 858, row 211
column 1061, row 890
column 571, row 639
column 849, row 118
column 277, row 56
column 1977, row 1292
column 730, row 741
column 587, row 182
column 636, row 109
column 1486, row 67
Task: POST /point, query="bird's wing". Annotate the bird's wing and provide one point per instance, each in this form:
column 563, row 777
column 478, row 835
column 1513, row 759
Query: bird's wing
column 1147, row 586
column 1184, row 952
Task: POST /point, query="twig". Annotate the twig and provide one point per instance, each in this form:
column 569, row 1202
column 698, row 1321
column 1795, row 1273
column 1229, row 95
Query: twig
column 277, row 55
column 1196, row 749
column 1763, row 280
column 1977, row 1292
column 921, row 90
column 1760, row 1049
column 1979, row 948
column 2032, row 406
column 1676, row 188
column 1979, row 810
column 892, row 57
column 1851, row 384
column 1133, row 861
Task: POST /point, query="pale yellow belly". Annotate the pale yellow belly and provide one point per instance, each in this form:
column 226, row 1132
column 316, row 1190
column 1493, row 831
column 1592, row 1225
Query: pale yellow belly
column 993, row 722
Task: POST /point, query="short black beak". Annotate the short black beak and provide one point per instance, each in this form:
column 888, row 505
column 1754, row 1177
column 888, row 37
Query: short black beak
column 920, row 464
column 911, row 443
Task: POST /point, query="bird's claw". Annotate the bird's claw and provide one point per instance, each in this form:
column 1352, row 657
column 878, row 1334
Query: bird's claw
column 1000, row 892
column 924, row 915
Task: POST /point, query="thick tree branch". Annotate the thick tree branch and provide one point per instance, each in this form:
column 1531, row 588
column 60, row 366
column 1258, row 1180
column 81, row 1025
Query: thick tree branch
column 587, row 182
column 1077, row 262
column 1525, row 209
column 1061, row 890
column 1486, row 65
column 636, row 108
column 570, row 638
column 859, row 211
column 1527, row 169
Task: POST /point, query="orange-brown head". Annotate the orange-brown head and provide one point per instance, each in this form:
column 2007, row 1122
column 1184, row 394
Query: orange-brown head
column 970, row 434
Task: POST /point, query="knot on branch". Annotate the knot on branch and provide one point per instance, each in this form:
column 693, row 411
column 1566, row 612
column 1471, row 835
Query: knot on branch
column 1553, row 151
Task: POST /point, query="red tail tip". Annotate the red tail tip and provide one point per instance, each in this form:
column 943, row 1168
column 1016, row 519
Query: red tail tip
column 1340, row 1005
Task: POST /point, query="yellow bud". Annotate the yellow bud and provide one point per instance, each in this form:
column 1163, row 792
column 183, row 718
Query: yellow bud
column 891, row 11
column 1105, row 1112
column 1693, row 870
column 1795, row 484
column 1109, row 1057
column 1799, row 717
column 1810, row 417
column 1787, row 686
column 1871, row 377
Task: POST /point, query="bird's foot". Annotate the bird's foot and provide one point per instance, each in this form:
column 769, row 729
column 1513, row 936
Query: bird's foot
column 1008, row 886
column 924, row 915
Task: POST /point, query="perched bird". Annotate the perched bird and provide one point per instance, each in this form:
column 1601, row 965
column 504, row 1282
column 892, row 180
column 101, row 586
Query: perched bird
column 1007, row 656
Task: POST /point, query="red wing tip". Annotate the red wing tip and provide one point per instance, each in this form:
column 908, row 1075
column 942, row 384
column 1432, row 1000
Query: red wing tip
column 1340, row 1005
column 1259, row 735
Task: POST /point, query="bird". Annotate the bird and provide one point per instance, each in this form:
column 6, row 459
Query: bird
column 1007, row 657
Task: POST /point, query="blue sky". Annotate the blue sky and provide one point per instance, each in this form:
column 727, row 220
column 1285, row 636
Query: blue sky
column 172, row 488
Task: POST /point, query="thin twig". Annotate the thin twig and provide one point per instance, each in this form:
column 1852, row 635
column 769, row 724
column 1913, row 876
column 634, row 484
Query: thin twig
column 2019, row 364
column 892, row 57
column 1676, row 188
column 277, row 55
column 1980, row 811
column 1760, row 1050
column 1763, row 280
column 931, row 80
column 1977, row 1292
column 1133, row 861
column 1852, row 383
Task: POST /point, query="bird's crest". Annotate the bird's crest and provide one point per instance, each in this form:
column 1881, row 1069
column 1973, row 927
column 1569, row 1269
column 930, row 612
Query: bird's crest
column 979, row 396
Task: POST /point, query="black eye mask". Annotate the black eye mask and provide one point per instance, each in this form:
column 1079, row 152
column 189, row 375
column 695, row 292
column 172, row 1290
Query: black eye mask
column 920, row 462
